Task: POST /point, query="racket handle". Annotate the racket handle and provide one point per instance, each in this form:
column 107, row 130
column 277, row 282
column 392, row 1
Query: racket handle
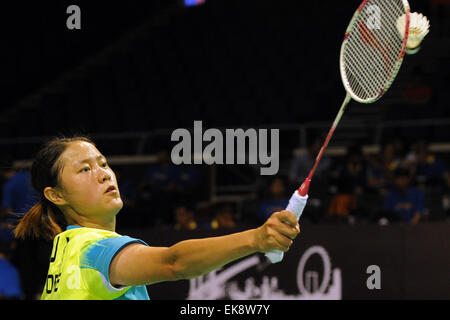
column 296, row 205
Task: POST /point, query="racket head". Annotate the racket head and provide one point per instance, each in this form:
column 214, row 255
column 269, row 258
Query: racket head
column 371, row 57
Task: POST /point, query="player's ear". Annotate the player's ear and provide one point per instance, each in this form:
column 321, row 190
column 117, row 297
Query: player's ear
column 55, row 196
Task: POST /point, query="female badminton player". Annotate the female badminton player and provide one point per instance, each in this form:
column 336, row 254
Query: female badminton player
column 89, row 260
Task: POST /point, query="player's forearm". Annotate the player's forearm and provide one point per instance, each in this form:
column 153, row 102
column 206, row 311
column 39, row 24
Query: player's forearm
column 192, row 258
column 138, row 264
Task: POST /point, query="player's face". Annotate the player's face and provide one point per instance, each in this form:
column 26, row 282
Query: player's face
column 88, row 184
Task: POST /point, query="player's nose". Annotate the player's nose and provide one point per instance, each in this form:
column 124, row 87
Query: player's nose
column 104, row 175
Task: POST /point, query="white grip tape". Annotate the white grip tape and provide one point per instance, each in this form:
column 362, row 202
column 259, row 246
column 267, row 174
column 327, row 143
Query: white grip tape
column 296, row 205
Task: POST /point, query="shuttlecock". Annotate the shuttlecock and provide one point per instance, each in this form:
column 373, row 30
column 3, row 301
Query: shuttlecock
column 419, row 26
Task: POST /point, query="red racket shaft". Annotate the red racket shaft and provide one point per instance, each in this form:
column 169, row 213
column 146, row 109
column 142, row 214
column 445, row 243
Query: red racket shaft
column 303, row 190
column 298, row 200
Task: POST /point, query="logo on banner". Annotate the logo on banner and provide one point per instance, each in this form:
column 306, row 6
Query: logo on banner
column 219, row 284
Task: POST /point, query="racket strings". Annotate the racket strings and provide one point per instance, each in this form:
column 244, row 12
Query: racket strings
column 372, row 52
column 392, row 36
column 366, row 77
column 356, row 78
column 363, row 81
column 379, row 45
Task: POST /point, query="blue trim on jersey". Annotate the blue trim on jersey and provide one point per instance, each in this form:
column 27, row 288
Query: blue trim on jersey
column 99, row 255
column 135, row 293
column 73, row 227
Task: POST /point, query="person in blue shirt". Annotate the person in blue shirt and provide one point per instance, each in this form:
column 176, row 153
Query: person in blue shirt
column 405, row 202
column 18, row 194
column 428, row 169
column 275, row 201
column 10, row 286
column 158, row 187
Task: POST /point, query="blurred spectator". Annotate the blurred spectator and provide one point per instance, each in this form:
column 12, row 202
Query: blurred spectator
column 188, row 178
column 184, row 217
column 428, row 169
column 275, row 200
column 18, row 194
column 224, row 217
column 400, row 148
column 164, row 175
column 6, row 234
column 10, row 284
column 30, row 256
column 403, row 202
column 302, row 164
column 157, row 191
column 350, row 179
column 381, row 168
column 342, row 208
column 188, row 182
column 352, row 174
column 161, row 184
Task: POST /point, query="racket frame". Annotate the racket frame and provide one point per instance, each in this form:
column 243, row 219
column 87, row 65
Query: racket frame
column 397, row 66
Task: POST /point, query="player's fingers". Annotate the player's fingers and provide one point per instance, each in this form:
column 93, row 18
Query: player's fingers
column 287, row 230
column 287, row 217
column 287, row 223
column 278, row 232
column 284, row 243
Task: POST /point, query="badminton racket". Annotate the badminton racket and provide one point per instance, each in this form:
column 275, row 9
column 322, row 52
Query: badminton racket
column 371, row 54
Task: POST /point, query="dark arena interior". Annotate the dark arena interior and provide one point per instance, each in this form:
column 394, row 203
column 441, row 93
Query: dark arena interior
column 132, row 73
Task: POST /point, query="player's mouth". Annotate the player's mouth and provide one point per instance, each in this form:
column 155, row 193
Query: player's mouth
column 111, row 189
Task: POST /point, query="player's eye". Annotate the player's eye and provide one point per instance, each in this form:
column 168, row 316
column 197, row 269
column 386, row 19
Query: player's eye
column 85, row 169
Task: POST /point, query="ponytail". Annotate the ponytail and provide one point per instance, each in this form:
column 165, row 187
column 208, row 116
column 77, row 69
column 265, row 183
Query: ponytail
column 41, row 221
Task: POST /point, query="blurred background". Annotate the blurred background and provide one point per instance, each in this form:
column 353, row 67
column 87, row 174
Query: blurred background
column 136, row 71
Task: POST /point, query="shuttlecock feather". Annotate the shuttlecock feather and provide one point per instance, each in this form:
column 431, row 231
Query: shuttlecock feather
column 419, row 26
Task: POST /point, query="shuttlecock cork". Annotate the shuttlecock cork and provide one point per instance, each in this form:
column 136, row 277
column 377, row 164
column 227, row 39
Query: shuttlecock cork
column 419, row 26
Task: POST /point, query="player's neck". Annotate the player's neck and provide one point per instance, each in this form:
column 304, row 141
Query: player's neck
column 105, row 224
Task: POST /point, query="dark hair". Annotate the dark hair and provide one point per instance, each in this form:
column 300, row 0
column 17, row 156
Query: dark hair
column 44, row 220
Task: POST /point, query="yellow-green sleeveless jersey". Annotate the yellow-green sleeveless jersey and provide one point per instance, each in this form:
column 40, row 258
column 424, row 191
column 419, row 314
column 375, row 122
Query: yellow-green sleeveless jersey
column 79, row 266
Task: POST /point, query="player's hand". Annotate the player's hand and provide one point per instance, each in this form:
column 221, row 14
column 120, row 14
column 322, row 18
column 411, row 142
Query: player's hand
column 278, row 232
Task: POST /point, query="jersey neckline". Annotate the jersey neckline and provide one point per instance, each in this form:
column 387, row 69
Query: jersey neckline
column 73, row 227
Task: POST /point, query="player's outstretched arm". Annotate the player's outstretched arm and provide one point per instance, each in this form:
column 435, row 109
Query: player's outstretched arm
column 137, row 264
